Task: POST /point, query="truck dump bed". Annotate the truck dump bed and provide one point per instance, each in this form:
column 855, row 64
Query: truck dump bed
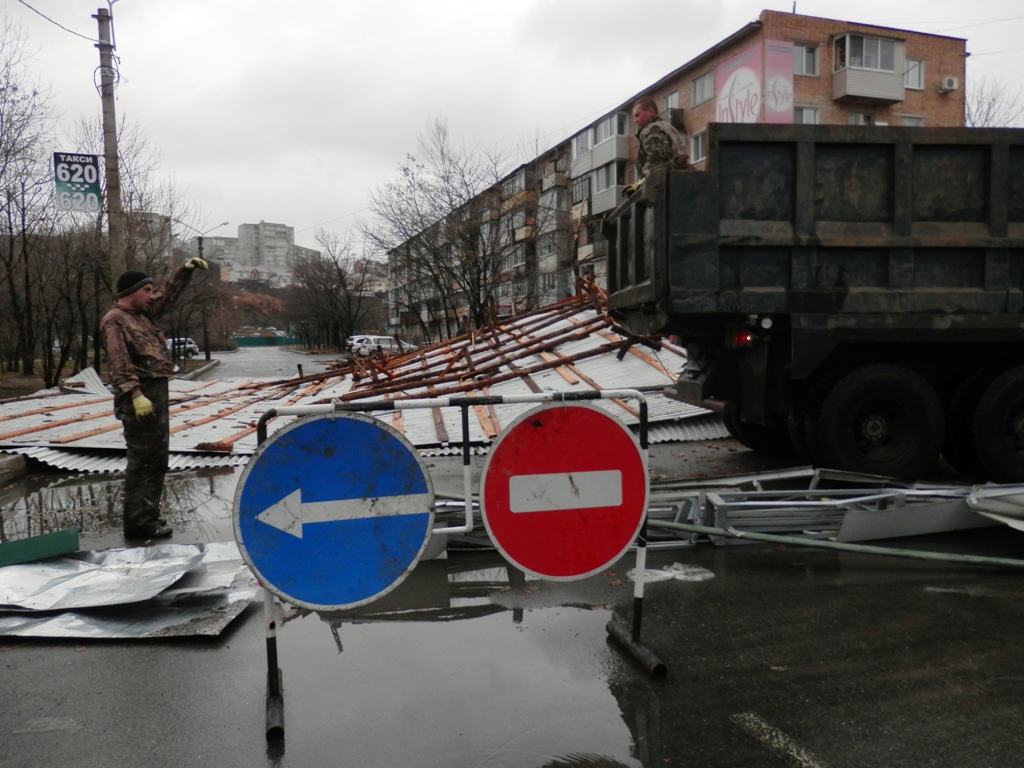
column 904, row 226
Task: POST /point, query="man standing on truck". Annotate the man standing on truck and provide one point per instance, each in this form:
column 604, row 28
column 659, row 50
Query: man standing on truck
column 140, row 366
column 659, row 142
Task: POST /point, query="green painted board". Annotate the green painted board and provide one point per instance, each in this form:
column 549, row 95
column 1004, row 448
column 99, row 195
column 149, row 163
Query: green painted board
column 39, row 547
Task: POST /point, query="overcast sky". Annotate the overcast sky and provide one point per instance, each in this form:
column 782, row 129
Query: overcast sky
column 291, row 111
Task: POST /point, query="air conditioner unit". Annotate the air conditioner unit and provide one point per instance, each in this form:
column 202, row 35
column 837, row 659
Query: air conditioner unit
column 949, row 84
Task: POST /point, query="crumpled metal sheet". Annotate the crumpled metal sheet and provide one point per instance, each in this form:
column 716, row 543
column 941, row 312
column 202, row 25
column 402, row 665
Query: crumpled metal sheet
column 90, row 579
column 203, row 600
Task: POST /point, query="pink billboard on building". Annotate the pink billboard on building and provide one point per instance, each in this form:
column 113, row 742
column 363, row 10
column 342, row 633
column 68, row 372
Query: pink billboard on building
column 755, row 85
column 738, row 88
column 778, row 82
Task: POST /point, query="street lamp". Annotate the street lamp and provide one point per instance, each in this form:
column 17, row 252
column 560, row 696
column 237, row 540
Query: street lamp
column 201, row 235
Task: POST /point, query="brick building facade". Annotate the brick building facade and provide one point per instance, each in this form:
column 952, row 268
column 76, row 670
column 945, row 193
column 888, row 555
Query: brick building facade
column 782, row 68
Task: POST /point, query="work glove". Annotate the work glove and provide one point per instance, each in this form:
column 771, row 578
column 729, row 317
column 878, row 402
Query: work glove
column 196, row 263
column 627, row 191
column 143, row 406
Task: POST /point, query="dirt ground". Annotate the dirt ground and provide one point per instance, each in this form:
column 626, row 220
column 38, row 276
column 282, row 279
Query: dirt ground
column 14, row 385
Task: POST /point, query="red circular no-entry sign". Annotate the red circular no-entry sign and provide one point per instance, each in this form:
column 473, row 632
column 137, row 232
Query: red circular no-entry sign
column 564, row 491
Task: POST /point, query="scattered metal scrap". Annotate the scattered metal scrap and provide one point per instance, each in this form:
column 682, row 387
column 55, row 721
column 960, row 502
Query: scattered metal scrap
column 167, row 590
column 816, row 503
column 568, row 346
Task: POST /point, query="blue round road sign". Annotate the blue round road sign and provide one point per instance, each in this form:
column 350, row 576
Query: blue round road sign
column 333, row 511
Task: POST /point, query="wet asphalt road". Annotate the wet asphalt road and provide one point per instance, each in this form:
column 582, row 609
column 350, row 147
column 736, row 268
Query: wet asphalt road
column 788, row 656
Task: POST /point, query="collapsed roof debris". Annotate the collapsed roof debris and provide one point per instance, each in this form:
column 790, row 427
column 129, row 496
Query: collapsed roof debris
column 569, row 346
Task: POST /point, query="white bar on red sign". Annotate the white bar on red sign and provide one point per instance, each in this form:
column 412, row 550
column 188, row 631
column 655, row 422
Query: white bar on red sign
column 565, row 490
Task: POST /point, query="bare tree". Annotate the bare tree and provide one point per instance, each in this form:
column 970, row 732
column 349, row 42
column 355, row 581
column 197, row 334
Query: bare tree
column 990, row 103
column 438, row 225
column 335, row 293
column 26, row 130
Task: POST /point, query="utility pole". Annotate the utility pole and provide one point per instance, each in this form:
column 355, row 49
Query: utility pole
column 115, row 216
column 201, row 235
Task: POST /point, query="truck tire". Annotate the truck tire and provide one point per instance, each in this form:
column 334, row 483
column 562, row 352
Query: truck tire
column 958, row 445
column 999, row 428
column 802, row 417
column 770, row 439
column 881, row 419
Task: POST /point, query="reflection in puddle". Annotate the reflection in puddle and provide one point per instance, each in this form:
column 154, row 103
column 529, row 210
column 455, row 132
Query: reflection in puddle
column 468, row 662
column 525, row 692
column 199, row 501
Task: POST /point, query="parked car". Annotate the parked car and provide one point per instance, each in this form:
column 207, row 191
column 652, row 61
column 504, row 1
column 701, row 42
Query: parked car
column 366, row 345
column 182, row 348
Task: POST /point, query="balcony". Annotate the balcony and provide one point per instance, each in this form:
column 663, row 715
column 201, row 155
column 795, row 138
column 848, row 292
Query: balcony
column 867, row 86
column 615, row 148
column 524, row 233
column 552, row 180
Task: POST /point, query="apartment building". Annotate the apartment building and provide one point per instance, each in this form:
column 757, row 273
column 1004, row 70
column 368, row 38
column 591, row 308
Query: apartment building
column 782, row 68
column 262, row 253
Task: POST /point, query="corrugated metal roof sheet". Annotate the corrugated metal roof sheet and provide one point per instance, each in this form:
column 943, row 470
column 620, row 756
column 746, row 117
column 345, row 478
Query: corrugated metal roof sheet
column 570, row 346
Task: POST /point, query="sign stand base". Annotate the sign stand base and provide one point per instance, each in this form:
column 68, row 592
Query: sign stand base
column 630, row 642
column 275, row 692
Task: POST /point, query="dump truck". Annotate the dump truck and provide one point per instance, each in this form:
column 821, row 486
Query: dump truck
column 850, row 295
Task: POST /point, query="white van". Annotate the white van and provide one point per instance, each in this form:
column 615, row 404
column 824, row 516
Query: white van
column 366, row 345
column 182, row 348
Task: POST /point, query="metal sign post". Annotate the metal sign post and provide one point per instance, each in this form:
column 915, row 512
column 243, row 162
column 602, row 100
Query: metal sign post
column 335, row 510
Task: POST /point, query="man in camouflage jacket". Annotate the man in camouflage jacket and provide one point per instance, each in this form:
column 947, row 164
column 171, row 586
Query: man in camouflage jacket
column 140, row 367
column 658, row 141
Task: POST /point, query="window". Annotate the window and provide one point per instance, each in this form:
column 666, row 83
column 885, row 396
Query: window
column 546, row 246
column 913, row 122
column 805, row 59
column 863, row 52
column 805, row 115
column 608, row 176
column 698, row 146
column 610, row 127
column 580, row 190
column 515, row 183
column 703, row 88
column 860, row 118
column 670, row 101
column 913, row 77
column 581, row 143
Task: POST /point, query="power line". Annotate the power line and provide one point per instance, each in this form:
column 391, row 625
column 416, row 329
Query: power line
column 56, row 23
column 331, row 221
column 978, row 24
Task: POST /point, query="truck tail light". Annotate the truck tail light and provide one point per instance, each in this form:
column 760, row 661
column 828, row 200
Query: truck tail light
column 739, row 339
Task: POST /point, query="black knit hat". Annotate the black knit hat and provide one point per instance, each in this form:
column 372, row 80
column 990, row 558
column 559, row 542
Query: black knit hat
column 130, row 282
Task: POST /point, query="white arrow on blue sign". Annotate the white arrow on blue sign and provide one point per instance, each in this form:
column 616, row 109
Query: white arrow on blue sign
column 334, row 511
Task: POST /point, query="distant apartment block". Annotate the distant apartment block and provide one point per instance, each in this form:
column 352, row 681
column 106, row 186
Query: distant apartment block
column 262, row 253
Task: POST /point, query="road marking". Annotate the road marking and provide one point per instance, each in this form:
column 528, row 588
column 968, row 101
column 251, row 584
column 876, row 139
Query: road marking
column 776, row 740
column 291, row 512
column 559, row 491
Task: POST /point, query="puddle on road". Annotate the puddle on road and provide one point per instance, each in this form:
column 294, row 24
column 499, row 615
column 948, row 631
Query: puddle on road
column 197, row 504
column 468, row 662
column 441, row 675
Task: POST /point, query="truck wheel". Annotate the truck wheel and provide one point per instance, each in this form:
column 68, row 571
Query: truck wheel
column 881, row 419
column 769, row 439
column 999, row 428
column 958, row 446
column 802, row 418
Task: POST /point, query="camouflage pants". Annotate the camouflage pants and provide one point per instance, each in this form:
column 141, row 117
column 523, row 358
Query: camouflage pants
column 148, row 440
